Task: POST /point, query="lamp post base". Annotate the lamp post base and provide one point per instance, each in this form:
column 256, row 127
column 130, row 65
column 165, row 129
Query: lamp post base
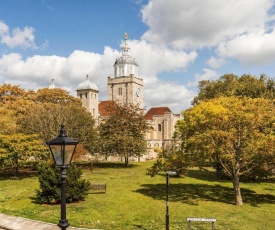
column 63, row 224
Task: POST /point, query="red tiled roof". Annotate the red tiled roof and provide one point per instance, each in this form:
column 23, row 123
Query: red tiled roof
column 156, row 111
column 104, row 107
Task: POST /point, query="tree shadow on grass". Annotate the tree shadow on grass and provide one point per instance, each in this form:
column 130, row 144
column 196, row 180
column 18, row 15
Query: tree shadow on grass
column 106, row 164
column 193, row 193
column 9, row 175
column 202, row 175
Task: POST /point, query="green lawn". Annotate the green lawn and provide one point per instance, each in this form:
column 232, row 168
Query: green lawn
column 137, row 201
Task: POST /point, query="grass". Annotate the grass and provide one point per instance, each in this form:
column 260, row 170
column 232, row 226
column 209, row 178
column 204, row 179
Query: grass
column 137, row 201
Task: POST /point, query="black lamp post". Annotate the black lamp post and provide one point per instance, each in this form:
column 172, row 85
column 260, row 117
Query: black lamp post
column 167, row 196
column 62, row 149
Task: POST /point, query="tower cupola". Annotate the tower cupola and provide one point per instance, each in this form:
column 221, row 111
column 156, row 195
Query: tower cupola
column 125, row 65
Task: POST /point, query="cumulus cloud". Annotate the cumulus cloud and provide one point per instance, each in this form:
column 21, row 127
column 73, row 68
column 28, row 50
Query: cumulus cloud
column 155, row 59
column 203, row 23
column 207, row 75
column 67, row 72
column 215, row 63
column 23, row 38
column 161, row 93
column 250, row 49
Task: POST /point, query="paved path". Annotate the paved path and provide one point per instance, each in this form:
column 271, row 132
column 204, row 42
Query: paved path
column 8, row 222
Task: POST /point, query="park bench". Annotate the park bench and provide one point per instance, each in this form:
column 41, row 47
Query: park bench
column 190, row 219
column 98, row 188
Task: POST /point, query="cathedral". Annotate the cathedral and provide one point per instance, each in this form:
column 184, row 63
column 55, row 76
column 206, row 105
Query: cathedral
column 125, row 87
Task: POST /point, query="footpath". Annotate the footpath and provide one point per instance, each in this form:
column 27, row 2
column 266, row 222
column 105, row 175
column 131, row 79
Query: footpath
column 8, row 222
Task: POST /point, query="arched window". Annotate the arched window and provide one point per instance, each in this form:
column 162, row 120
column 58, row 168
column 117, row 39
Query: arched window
column 80, row 95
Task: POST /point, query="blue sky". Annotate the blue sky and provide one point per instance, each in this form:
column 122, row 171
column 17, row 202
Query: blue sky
column 176, row 43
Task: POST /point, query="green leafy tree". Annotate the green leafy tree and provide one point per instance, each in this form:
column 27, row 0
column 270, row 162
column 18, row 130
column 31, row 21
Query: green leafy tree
column 238, row 133
column 232, row 85
column 45, row 119
column 177, row 161
column 123, row 132
column 16, row 149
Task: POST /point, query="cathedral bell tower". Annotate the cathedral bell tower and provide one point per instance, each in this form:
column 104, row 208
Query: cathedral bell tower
column 125, row 87
column 87, row 91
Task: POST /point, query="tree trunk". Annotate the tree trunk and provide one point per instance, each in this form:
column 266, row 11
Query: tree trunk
column 237, row 189
column 126, row 161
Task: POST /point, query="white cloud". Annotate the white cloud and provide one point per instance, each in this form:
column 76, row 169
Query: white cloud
column 161, row 93
column 199, row 23
column 215, row 63
column 3, row 28
column 250, row 49
column 207, row 75
column 155, row 59
column 18, row 38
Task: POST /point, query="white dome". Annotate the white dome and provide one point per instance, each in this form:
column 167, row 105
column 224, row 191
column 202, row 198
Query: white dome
column 87, row 84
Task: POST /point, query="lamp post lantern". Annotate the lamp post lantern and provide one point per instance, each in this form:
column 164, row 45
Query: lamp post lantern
column 62, row 149
column 167, row 197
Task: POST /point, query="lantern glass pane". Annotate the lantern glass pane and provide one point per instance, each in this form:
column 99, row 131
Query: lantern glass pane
column 69, row 150
column 57, row 154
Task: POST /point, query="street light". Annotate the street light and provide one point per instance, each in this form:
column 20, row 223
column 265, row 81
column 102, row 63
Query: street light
column 62, row 149
column 171, row 173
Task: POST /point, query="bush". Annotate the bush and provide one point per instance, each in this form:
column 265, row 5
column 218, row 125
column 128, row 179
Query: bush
column 50, row 186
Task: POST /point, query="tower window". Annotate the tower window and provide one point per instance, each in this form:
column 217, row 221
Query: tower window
column 159, row 127
column 95, row 96
column 86, row 95
column 119, row 91
column 80, row 95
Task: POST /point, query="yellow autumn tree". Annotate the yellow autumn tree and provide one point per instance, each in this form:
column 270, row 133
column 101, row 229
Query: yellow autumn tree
column 238, row 133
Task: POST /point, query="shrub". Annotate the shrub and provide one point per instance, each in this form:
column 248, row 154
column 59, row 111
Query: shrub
column 50, row 186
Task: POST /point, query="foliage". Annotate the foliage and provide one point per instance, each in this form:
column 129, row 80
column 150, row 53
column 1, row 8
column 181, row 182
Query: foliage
column 175, row 160
column 236, row 133
column 7, row 122
column 45, row 120
column 16, row 149
column 231, row 85
column 123, row 132
column 14, row 98
column 49, row 179
column 56, row 96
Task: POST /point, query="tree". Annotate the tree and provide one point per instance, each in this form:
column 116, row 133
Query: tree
column 56, row 95
column 7, row 121
column 123, row 132
column 49, row 180
column 238, row 133
column 232, row 85
column 14, row 98
column 177, row 160
column 17, row 148
column 45, row 119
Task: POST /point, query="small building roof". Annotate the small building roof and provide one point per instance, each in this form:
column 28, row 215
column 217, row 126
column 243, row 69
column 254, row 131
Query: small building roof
column 156, row 111
column 104, row 108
